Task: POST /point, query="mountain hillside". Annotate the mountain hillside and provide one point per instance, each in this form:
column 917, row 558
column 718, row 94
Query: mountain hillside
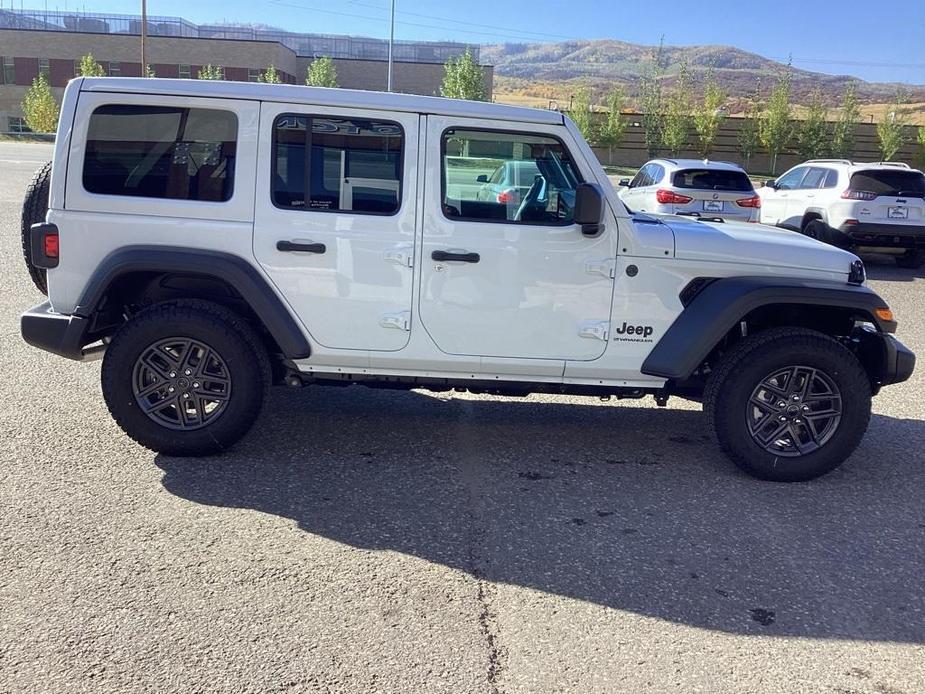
column 550, row 70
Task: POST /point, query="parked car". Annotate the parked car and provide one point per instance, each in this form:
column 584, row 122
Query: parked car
column 878, row 206
column 509, row 182
column 693, row 187
column 209, row 239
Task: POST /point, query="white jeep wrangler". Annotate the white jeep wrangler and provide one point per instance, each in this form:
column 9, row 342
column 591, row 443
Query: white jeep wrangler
column 210, row 239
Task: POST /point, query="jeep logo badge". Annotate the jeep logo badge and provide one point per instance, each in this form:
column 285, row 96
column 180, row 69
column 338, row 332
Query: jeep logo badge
column 642, row 331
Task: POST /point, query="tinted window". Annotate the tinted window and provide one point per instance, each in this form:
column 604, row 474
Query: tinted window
column 813, row 178
column 337, row 164
column 656, row 173
column 712, row 179
column 791, row 179
column 831, row 179
column 161, row 152
column 543, row 196
column 889, row 182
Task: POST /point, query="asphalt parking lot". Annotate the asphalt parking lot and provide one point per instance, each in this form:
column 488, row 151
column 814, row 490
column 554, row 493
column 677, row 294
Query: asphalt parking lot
column 362, row 541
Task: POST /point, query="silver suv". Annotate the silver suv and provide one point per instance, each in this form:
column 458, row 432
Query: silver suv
column 699, row 188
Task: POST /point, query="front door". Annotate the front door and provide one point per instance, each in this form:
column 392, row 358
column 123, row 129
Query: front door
column 511, row 277
column 335, row 220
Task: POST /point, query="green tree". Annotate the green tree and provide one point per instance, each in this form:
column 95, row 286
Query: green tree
column 39, row 106
column 813, row 134
column 581, row 114
column 677, row 113
column 463, row 78
column 211, row 72
column 321, row 73
column 891, row 130
column 749, row 138
column 709, row 114
column 845, row 127
column 774, row 127
column 921, row 140
column 88, row 67
column 271, row 76
column 613, row 128
column 149, row 71
column 651, row 101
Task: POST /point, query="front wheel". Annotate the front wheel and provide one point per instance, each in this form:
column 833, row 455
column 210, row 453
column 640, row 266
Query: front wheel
column 185, row 378
column 789, row 404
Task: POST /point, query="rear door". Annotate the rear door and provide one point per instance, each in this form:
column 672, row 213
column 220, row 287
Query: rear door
column 516, row 279
column 713, row 192
column 899, row 196
column 335, row 220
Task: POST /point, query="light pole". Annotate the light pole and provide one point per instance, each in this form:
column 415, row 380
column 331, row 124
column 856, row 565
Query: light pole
column 144, row 38
column 391, row 41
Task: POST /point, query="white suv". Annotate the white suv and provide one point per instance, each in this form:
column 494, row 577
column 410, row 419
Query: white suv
column 698, row 188
column 209, row 239
column 878, row 206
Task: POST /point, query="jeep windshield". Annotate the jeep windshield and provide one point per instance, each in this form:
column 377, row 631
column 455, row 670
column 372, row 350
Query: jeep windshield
column 889, row 182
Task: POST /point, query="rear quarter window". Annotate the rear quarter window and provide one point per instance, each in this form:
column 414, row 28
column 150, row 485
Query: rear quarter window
column 161, row 152
column 712, row 179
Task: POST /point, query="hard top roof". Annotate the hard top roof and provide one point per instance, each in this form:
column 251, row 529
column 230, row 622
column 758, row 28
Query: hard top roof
column 699, row 164
column 320, row 96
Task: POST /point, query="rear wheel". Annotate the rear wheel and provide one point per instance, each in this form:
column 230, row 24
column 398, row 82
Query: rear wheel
column 789, row 404
column 185, row 378
column 34, row 209
column 911, row 259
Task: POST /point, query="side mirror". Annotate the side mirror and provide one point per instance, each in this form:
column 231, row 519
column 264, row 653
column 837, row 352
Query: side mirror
column 624, row 183
column 589, row 208
column 771, row 184
column 482, row 179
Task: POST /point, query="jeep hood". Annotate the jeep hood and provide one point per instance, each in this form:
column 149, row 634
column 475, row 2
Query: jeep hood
column 754, row 244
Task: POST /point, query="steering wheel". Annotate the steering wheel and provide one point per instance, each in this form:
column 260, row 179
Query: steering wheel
column 532, row 197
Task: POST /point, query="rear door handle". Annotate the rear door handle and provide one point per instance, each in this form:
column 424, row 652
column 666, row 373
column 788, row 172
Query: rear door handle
column 459, row 256
column 300, row 247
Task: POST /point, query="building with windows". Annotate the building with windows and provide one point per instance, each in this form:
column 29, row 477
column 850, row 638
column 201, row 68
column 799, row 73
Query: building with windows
column 53, row 42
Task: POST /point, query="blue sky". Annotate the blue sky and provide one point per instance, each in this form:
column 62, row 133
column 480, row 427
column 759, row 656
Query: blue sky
column 833, row 36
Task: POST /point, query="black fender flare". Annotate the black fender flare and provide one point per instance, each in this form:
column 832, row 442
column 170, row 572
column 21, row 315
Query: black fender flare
column 720, row 305
column 239, row 273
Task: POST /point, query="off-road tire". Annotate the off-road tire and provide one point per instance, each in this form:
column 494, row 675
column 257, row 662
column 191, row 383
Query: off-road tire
column 229, row 335
column 912, row 259
column 34, row 209
column 743, row 368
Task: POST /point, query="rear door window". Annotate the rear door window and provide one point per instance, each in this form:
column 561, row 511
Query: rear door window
column 161, row 152
column 324, row 164
column 713, row 179
column 813, row 178
column 900, row 182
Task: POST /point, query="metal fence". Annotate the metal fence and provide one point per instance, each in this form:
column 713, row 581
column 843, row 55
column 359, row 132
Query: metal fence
column 310, row 45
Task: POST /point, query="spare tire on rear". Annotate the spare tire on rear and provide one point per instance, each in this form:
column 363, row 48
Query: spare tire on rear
column 34, row 208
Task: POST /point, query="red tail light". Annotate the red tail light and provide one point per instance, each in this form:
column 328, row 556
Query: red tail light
column 859, row 195
column 668, row 197
column 508, row 196
column 753, row 201
column 51, row 246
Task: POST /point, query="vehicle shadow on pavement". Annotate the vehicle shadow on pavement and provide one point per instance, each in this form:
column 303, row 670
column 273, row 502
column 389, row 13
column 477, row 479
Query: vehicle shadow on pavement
column 628, row 507
column 883, row 267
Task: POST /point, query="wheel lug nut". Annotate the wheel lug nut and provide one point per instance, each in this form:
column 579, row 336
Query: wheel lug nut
column 195, row 385
column 186, row 396
column 173, row 374
column 171, row 389
column 782, row 418
column 782, row 404
column 188, row 372
column 806, row 408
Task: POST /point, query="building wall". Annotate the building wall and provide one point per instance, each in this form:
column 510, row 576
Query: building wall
column 63, row 51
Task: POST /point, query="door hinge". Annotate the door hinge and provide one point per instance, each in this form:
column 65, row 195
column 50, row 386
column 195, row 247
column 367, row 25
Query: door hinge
column 402, row 254
column 595, row 329
column 606, row 267
column 400, row 320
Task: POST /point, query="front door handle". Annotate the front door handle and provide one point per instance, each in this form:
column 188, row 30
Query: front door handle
column 459, row 256
column 300, row 247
